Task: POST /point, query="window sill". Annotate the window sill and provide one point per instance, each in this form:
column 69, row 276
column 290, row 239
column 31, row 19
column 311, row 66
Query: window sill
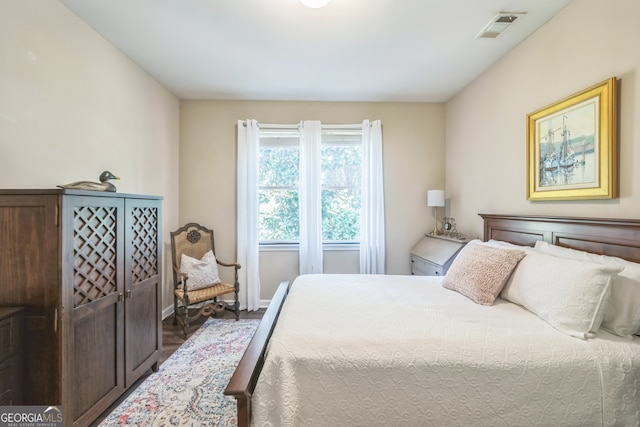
column 294, row 247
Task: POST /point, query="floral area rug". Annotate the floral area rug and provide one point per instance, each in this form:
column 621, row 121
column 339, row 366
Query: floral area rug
column 188, row 388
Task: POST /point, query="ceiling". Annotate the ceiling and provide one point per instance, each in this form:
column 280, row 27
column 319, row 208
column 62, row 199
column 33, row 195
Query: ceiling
column 350, row 50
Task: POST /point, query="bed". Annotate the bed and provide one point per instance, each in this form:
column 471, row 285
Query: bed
column 411, row 352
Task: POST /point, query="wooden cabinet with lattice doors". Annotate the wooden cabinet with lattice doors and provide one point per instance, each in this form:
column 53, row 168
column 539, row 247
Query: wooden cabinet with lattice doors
column 100, row 309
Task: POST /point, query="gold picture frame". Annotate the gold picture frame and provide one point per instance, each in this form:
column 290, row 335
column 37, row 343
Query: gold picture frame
column 572, row 147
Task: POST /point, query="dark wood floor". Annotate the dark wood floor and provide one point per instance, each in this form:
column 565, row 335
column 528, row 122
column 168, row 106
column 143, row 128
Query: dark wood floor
column 172, row 338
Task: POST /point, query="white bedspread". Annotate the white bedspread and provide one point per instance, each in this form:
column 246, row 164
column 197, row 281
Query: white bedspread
column 357, row 350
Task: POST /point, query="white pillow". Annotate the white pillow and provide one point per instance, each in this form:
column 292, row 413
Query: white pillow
column 502, row 244
column 507, row 245
column 202, row 273
column 622, row 313
column 568, row 294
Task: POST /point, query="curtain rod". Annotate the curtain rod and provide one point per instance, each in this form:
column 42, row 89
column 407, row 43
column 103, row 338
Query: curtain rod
column 290, row 126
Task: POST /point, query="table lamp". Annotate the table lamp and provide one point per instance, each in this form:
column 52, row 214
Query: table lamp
column 435, row 198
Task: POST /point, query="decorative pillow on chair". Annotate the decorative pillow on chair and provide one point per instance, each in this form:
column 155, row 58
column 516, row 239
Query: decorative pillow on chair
column 479, row 272
column 202, row 272
column 622, row 313
column 568, row 294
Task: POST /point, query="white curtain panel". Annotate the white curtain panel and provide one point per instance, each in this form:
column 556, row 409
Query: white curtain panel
column 247, row 214
column 372, row 240
column 310, row 198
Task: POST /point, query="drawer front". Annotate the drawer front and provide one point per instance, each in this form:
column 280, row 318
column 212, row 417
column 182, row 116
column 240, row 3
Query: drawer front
column 7, row 379
column 6, row 399
column 422, row 267
column 7, row 337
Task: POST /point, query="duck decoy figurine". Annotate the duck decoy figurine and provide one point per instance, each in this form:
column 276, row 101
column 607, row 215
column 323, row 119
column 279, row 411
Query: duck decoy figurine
column 103, row 185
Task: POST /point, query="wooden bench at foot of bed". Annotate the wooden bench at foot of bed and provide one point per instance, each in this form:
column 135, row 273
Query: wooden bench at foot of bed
column 243, row 381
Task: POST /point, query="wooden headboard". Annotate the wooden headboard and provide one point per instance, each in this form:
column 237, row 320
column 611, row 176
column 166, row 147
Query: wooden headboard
column 613, row 237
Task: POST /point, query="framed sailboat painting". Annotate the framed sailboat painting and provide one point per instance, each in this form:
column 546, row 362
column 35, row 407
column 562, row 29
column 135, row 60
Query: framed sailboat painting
column 572, row 146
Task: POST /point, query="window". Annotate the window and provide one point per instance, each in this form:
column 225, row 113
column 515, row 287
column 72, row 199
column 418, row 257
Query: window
column 278, row 178
column 341, row 153
column 278, row 186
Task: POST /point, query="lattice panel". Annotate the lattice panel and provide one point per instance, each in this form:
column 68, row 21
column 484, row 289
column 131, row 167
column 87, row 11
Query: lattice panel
column 94, row 253
column 145, row 243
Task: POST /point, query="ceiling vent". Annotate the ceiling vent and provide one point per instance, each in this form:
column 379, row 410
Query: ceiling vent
column 499, row 24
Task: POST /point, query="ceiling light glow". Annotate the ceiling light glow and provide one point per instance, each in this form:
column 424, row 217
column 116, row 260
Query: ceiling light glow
column 315, row 4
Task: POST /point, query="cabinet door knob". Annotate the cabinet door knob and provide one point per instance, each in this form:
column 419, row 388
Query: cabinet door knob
column 129, row 294
column 120, row 296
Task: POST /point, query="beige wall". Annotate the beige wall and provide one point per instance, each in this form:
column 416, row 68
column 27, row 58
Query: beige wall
column 72, row 105
column 586, row 43
column 413, row 146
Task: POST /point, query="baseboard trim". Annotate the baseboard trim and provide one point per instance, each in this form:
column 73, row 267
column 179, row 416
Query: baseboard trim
column 168, row 311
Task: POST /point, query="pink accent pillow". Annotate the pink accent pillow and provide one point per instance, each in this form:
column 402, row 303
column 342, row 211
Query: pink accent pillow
column 479, row 272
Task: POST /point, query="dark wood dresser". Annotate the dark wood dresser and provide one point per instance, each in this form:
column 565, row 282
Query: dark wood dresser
column 88, row 267
column 11, row 355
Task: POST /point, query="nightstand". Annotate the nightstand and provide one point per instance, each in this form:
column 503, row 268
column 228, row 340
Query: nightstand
column 433, row 255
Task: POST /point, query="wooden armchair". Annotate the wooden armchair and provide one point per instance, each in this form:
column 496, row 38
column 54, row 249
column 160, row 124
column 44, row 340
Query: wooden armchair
column 190, row 247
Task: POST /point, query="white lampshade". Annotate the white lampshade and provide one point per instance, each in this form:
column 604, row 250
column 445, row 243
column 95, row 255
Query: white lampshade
column 315, row 4
column 435, row 198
